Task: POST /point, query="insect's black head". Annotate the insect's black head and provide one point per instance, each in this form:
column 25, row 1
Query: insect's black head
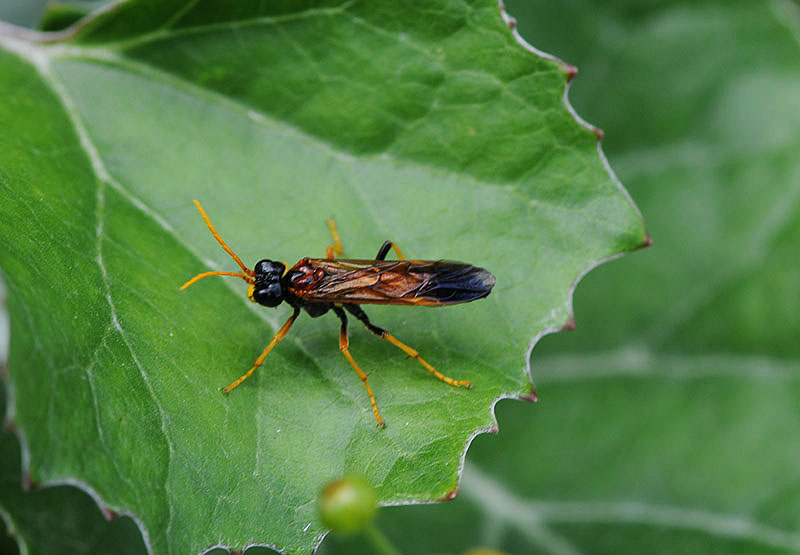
column 267, row 289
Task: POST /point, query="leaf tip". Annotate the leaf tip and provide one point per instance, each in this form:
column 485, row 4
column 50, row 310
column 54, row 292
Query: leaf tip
column 571, row 71
column 450, row 495
column 599, row 133
column 108, row 513
column 531, row 397
column 570, row 325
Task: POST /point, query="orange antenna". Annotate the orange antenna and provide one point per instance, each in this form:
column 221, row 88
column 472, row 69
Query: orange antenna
column 248, row 273
column 216, row 235
column 198, row 277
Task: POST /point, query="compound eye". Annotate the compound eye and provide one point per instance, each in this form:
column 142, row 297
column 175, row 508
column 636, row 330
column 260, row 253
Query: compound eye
column 268, row 268
column 271, row 295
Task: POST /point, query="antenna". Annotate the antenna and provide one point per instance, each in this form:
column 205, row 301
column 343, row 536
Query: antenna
column 248, row 274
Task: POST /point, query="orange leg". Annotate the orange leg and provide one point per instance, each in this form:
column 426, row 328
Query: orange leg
column 356, row 311
column 278, row 336
column 384, row 250
column 415, row 355
column 344, row 346
column 336, row 248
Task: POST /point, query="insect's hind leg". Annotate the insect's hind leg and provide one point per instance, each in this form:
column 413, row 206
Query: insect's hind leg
column 344, row 346
column 356, row 311
column 385, row 248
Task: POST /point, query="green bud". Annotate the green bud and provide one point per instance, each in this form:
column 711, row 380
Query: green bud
column 347, row 505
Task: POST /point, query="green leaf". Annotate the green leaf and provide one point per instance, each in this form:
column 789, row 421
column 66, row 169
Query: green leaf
column 428, row 125
column 60, row 519
column 669, row 420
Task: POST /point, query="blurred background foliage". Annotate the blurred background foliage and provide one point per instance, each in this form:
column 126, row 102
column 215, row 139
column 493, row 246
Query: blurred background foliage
column 669, row 420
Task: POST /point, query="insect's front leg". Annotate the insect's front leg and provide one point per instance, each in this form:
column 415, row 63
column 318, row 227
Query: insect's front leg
column 275, row 339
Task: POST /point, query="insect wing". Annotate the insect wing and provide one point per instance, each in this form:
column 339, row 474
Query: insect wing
column 400, row 282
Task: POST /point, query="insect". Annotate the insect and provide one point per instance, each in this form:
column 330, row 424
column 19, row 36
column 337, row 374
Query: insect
column 318, row 285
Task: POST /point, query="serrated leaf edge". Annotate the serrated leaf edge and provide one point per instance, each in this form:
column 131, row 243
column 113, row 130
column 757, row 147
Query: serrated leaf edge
column 14, row 39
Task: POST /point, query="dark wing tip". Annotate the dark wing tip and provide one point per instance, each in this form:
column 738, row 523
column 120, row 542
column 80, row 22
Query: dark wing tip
column 455, row 282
